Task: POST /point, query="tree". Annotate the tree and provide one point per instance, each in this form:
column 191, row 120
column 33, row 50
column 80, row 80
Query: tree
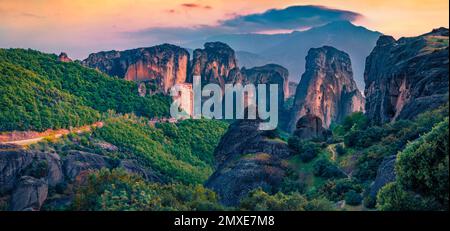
column 324, row 168
column 353, row 198
column 422, row 174
column 306, row 149
column 340, row 150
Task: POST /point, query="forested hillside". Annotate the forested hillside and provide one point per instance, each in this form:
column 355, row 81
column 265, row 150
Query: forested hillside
column 359, row 160
column 38, row 92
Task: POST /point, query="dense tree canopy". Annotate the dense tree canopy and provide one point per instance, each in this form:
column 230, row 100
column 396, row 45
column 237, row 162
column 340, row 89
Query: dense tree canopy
column 38, row 92
column 422, row 174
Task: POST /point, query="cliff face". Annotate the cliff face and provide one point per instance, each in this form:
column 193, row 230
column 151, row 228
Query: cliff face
column 406, row 77
column 327, row 89
column 162, row 66
column 267, row 74
column 213, row 63
column 247, row 159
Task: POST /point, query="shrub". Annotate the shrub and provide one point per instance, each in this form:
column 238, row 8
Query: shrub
column 307, row 150
column 353, row 198
column 422, row 174
column 340, row 150
column 116, row 190
column 369, row 202
column 272, row 134
column 355, row 121
column 324, row 168
column 392, row 197
column 258, row 200
column 292, row 183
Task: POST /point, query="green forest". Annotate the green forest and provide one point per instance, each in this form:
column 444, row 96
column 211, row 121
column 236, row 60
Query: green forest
column 344, row 168
column 38, row 92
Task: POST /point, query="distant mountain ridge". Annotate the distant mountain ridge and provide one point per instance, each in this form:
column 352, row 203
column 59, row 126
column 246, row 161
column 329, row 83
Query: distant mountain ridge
column 290, row 50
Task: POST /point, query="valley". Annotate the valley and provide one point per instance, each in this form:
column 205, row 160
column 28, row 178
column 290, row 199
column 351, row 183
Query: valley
column 334, row 149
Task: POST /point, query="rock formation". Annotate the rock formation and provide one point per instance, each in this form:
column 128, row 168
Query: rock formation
column 327, row 89
column 247, row 159
column 385, row 174
column 406, row 77
column 77, row 161
column 29, row 194
column 28, row 174
column 63, row 57
column 161, row 66
column 15, row 163
column 267, row 74
column 213, row 63
column 310, row 127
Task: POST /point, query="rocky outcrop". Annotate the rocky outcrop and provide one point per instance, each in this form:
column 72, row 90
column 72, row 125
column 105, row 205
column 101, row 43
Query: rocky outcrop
column 77, row 162
column 29, row 194
column 267, row 74
column 406, row 77
column 310, row 127
column 26, row 175
column 19, row 162
column 385, row 174
column 327, row 89
column 213, row 63
column 63, row 57
column 247, row 159
column 160, row 66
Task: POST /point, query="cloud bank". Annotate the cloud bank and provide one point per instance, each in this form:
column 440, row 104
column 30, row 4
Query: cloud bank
column 290, row 18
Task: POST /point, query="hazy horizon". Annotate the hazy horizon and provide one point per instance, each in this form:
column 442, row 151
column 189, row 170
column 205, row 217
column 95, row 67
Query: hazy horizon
column 82, row 27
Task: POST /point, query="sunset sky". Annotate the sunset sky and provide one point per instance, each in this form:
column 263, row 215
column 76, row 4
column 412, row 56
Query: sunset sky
column 80, row 27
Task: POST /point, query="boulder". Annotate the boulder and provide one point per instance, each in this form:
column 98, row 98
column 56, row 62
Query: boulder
column 77, row 162
column 310, row 127
column 15, row 163
column 247, row 158
column 29, row 194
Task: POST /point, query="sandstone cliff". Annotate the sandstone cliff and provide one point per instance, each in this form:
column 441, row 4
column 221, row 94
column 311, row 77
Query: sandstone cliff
column 406, row 77
column 213, row 63
column 161, row 66
column 327, row 89
column 267, row 74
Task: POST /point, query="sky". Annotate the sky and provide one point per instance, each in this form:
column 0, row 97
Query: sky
column 80, row 27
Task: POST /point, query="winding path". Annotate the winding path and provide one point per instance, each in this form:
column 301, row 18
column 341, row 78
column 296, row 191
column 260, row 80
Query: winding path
column 54, row 135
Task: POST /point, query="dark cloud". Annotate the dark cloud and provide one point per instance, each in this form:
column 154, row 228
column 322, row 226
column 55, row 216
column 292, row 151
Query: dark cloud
column 194, row 5
column 290, row 18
